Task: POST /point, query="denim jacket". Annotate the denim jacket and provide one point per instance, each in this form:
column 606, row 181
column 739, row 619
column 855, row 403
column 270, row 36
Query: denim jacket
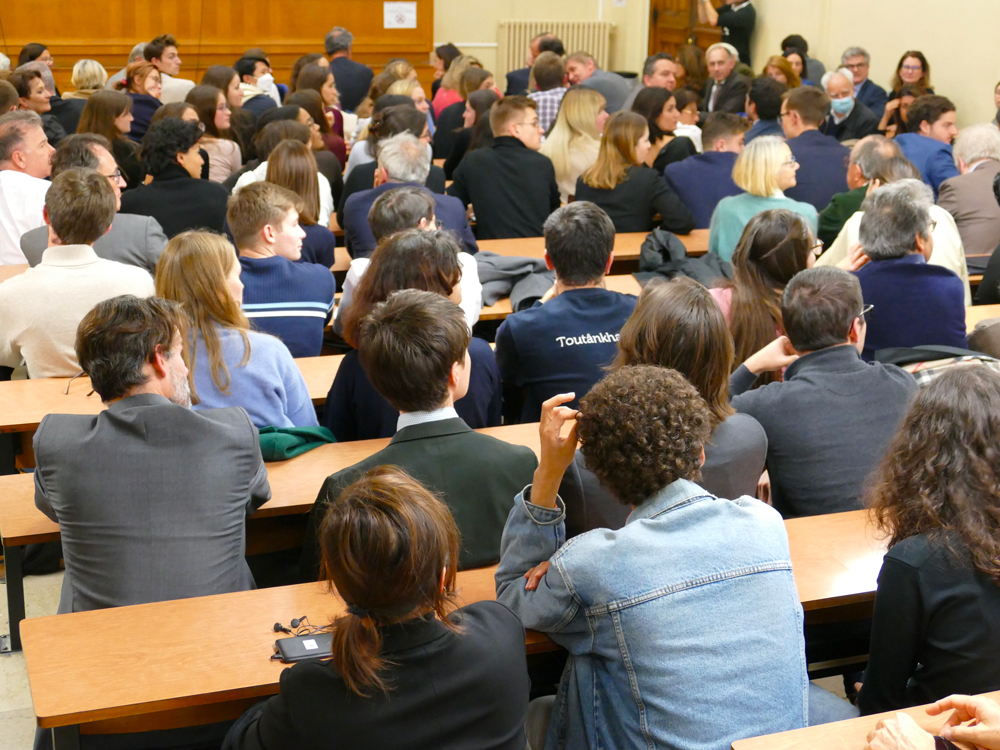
column 684, row 627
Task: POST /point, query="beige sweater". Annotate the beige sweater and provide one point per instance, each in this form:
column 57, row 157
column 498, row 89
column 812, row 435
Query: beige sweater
column 41, row 309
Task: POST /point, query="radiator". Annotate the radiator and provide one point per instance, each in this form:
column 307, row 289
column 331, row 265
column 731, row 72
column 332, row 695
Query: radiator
column 513, row 38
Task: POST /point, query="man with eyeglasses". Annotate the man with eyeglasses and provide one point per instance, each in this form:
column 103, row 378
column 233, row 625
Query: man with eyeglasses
column 132, row 239
column 512, row 188
column 857, row 60
column 829, row 420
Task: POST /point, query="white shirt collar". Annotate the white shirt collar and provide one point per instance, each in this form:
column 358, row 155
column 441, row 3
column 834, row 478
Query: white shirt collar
column 69, row 256
column 741, row 5
column 411, row 418
column 976, row 165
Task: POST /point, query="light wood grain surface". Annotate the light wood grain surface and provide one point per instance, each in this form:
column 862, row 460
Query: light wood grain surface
column 974, row 315
column 627, row 245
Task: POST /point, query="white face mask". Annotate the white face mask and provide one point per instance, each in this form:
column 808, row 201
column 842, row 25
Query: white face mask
column 265, row 82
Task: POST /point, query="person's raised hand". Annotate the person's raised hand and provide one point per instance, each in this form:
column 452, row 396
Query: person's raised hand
column 536, row 574
column 557, row 451
column 775, row 356
column 899, row 732
column 983, row 713
column 855, row 259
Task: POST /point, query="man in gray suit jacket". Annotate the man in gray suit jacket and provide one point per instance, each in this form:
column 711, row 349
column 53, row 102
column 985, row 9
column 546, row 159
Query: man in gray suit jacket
column 582, row 70
column 151, row 497
column 414, row 348
column 132, row 239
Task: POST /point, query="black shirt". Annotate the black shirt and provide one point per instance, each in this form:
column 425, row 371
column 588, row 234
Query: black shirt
column 449, row 124
column 512, row 189
column 633, row 203
column 126, row 156
column 737, row 27
column 935, row 629
column 678, row 149
column 353, row 80
column 179, row 202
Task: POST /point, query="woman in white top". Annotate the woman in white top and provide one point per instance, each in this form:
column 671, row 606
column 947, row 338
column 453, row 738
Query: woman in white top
column 224, row 156
column 948, row 250
column 687, row 103
column 575, row 139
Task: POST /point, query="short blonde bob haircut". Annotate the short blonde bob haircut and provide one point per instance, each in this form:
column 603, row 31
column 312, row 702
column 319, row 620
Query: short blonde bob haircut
column 89, row 75
column 756, row 169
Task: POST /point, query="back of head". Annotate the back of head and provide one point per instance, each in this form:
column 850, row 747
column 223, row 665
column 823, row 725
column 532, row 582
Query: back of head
column 756, row 169
column 411, row 259
column 312, row 77
column 453, row 76
column 255, row 206
column 447, row 53
column 642, row 428
column 553, row 44
column 578, row 115
column 871, row 153
column 398, row 209
column 4, row 63
column 154, row 49
column 205, row 99
column 894, row 169
column 724, row 125
column 14, row 128
column 811, row 103
column 120, row 335
column 177, row 110
column 404, row 158
column 471, row 80
column 88, row 75
column 338, row 40
column 481, row 101
column 164, row 141
column 78, row 151
column 219, row 76
column 679, row 325
column 80, row 206
column 819, row 307
column 617, row 154
column 385, row 542
column 508, row 110
column 766, row 93
column 797, row 42
column 9, row 98
column 291, row 165
column 275, row 132
column 928, row 108
column 308, row 59
column 978, row 142
column 278, row 114
column 549, row 71
column 408, row 345
column 398, row 68
column 44, row 72
column 392, row 121
column 579, row 240
column 136, row 53
column 893, row 216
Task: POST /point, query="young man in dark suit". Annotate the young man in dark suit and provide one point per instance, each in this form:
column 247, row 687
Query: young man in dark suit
column 701, row 181
column 414, row 348
column 512, row 187
column 822, row 159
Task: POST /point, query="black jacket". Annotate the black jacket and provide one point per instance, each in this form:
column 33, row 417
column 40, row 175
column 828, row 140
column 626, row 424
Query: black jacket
column 861, row 122
column 512, row 189
column 68, row 112
column 353, row 80
column 448, row 126
column 634, row 202
column 179, row 202
column 732, row 97
column 450, row 691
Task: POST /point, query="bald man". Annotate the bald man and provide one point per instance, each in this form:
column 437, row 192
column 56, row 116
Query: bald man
column 849, row 119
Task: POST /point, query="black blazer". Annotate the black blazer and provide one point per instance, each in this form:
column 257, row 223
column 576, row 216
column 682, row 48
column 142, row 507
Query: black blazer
column 861, row 122
column 511, row 188
column 179, row 202
column 450, row 691
column 517, row 82
column 732, row 97
column 634, row 202
column 476, row 475
column 449, row 124
column 362, row 177
column 68, row 112
column 679, row 149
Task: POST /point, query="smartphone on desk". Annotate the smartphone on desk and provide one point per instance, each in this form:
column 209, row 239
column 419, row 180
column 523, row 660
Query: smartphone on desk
column 305, row 647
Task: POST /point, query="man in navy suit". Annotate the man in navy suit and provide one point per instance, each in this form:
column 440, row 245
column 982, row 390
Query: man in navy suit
column 915, row 303
column 928, row 144
column 822, row 159
column 873, row 96
column 402, row 160
column 703, row 180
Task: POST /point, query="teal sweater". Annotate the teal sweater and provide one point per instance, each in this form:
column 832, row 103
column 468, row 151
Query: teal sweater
column 734, row 213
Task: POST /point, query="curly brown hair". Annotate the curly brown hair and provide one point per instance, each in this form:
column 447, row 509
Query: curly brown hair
column 941, row 472
column 642, row 428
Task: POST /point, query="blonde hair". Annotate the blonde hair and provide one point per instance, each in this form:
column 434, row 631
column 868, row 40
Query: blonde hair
column 621, row 133
column 404, row 87
column 459, row 65
column 756, row 169
column 89, row 75
column 398, row 68
column 575, row 128
column 192, row 271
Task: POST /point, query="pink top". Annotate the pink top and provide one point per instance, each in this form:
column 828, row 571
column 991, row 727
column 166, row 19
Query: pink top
column 445, row 98
column 725, row 299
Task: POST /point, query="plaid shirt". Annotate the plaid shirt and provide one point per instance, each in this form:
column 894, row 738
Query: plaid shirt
column 925, row 372
column 548, row 105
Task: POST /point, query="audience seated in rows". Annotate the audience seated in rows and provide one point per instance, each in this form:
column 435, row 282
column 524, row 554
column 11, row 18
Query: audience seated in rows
column 574, row 141
column 316, row 76
column 177, row 198
column 931, row 124
column 823, row 160
column 969, row 198
column 831, row 419
column 659, row 108
column 475, row 132
column 765, row 170
column 231, row 364
column 353, row 78
column 518, row 80
column 224, row 155
column 658, row 71
column 242, row 122
column 163, row 53
column 424, row 259
column 763, row 107
column 549, row 73
column 402, row 160
column 688, row 117
column 702, row 180
column 41, row 308
column 448, row 92
column 562, row 344
column 582, row 70
column 512, row 188
column 452, row 117
column 678, row 326
column 291, row 301
column 867, row 92
column 131, row 239
column 849, row 119
column 25, row 156
column 916, row 303
column 726, row 90
column 109, row 115
column 414, row 348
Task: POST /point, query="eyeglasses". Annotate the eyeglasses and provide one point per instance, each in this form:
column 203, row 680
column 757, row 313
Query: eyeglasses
column 932, row 226
column 529, row 123
column 116, row 176
column 913, row 68
column 856, row 66
column 866, row 310
column 224, row 107
column 816, row 250
column 791, row 160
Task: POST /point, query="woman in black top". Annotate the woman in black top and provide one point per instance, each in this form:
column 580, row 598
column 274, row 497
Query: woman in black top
column 936, row 624
column 408, row 670
column 452, row 118
column 631, row 193
column 475, row 132
column 659, row 107
column 109, row 113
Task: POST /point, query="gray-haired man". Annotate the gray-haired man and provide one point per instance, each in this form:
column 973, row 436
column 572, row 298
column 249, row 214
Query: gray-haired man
column 353, row 78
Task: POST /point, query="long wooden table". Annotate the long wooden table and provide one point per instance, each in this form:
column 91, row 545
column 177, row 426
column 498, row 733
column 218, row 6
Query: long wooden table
column 978, row 313
column 849, row 735
column 627, row 245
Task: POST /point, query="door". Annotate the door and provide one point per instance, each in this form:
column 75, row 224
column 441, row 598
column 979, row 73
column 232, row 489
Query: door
column 673, row 22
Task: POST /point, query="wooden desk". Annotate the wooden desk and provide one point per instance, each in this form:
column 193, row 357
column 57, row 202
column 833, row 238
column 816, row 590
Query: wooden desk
column 341, row 260
column 849, row 735
column 625, row 284
column 974, row 315
column 7, row 272
column 627, row 245
column 975, row 279
column 294, row 486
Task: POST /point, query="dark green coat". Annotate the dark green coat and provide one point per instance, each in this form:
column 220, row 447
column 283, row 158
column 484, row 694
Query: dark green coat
column 842, row 207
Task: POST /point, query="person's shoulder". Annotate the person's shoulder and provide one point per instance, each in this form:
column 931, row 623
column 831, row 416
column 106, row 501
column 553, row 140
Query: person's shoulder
column 916, row 551
column 488, row 619
column 113, row 269
column 270, row 346
column 895, row 377
column 739, row 428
